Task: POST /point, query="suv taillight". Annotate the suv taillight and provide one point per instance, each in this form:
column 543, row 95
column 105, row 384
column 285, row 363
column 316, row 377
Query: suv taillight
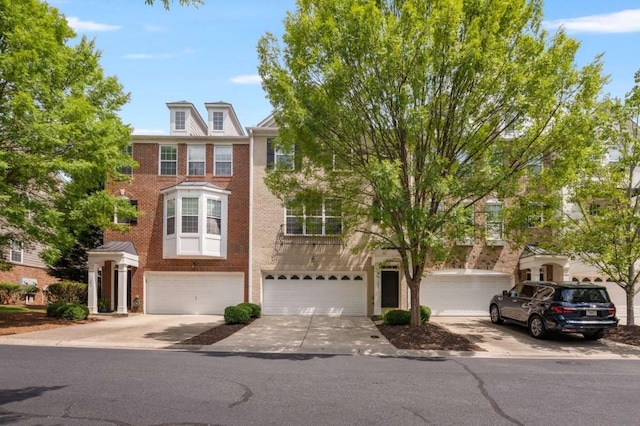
column 562, row 310
column 612, row 311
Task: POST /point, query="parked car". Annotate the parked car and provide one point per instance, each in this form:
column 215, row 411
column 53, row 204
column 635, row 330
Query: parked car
column 545, row 306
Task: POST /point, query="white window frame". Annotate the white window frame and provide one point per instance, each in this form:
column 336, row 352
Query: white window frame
column 301, row 218
column 214, row 216
column 189, row 213
column 494, row 227
column 182, row 120
column 217, row 159
column 162, row 161
column 16, row 249
column 284, row 160
column 170, row 217
column 217, row 121
column 196, row 154
column 127, row 170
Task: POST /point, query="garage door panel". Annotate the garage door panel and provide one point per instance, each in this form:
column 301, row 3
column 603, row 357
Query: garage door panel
column 193, row 294
column 461, row 295
column 285, row 296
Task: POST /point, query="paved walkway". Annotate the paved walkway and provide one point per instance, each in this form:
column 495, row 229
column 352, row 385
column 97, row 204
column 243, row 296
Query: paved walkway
column 314, row 335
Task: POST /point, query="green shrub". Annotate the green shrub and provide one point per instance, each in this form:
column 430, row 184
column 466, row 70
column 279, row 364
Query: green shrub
column 9, row 292
column 52, row 309
column 397, row 317
column 236, row 315
column 256, row 311
column 73, row 312
column 68, row 291
column 425, row 313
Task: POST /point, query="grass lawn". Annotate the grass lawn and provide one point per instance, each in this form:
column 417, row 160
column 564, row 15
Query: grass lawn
column 14, row 308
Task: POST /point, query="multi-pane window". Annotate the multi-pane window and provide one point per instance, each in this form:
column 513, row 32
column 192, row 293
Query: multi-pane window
column 196, row 155
column 127, row 170
column 218, row 120
column 171, row 216
column 279, row 158
column 324, row 219
column 16, row 252
column 214, row 216
column 594, row 209
column 493, row 216
column 223, row 159
column 190, row 215
column 180, row 120
column 168, row 159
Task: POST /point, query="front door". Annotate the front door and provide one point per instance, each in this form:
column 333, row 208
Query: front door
column 390, row 289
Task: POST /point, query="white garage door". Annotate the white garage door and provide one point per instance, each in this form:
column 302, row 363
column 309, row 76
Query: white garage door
column 315, row 293
column 192, row 293
column 461, row 293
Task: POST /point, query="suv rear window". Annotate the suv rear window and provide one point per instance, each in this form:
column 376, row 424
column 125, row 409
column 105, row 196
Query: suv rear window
column 585, row 295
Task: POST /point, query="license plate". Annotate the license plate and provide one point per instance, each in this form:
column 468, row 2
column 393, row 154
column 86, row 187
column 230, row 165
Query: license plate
column 591, row 313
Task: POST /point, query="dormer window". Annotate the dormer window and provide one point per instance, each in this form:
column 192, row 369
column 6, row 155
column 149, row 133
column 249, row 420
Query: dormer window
column 218, row 120
column 180, row 120
column 195, row 217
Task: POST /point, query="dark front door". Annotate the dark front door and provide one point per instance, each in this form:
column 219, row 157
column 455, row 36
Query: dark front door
column 390, row 289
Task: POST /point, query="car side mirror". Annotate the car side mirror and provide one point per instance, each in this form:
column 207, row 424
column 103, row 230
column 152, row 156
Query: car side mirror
column 505, row 292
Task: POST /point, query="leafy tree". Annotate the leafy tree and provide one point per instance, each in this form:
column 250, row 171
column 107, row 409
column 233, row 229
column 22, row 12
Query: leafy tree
column 602, row 227
column 167, row 3
column 60, row 135
column 71, row 263
column 412, row 112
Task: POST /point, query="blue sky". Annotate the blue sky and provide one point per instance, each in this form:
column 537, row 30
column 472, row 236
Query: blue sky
column 208, row 54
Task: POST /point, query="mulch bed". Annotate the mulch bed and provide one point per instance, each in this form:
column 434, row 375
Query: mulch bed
column 426, row 336
column 25, row 322
column 627, row 334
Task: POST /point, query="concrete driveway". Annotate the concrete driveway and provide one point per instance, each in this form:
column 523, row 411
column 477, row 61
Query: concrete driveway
column 511, row 340
column 136, row 331
column 309, row 335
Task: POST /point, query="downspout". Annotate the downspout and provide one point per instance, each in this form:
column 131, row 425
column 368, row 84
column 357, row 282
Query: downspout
column 250, row 257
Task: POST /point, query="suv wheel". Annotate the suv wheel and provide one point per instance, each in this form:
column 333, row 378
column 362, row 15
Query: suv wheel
column 536, row 327
column 594, row 335
column 495, row 315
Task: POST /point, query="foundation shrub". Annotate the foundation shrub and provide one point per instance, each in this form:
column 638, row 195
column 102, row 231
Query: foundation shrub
column 397, row 317
column 237, row 315
column 256, row 311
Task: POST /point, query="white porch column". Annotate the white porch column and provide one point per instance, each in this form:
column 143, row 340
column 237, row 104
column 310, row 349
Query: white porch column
column 92, row 291
column 123, row 287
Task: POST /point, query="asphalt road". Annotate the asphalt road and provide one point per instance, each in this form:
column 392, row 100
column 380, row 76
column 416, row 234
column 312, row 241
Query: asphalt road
column 71, row 386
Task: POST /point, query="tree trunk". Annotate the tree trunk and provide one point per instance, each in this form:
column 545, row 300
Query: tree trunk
column 414, row 291
column 630, row 305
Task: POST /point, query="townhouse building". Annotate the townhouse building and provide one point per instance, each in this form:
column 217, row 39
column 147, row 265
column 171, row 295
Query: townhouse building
column 211, row 234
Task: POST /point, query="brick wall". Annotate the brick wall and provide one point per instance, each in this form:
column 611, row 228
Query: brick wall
column 17, row 272
column 147, row 234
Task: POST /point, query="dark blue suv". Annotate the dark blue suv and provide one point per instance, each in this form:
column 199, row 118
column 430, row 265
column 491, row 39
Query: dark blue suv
column 545, row 306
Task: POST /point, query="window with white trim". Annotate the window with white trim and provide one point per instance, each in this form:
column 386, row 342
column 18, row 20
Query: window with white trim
column 195, row 160
column 195, row 219
column 127, row 170
column 16, row 252
column 493, row 217
column 214, row 216
column 180, row 120
column 322, row 220
column 223, row 160
column 171, row 217
column 168, row 159
column 278, row 158
column 218, row 120
column 190, row 215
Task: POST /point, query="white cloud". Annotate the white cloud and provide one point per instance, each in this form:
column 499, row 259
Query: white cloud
column 246, row 79
column 625, row 21
column 80, row 26
column 139, row 56
column 148, row 132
